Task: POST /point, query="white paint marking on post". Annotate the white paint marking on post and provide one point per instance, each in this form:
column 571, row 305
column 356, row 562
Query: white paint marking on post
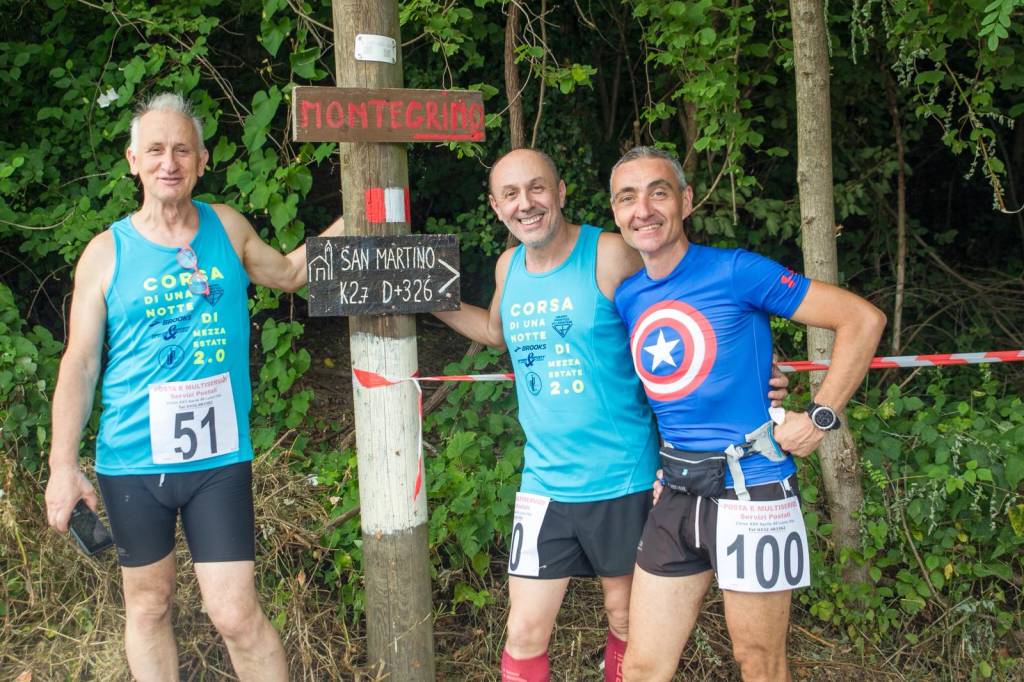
column 374, row 48
column 386, row 490
column 394, row 205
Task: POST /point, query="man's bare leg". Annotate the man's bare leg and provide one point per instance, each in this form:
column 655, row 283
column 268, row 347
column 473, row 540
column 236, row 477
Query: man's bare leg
column 533, row 607
column 662, row 613
column 148, row 634
column 758, row 624
column 616, row 607
column 229, row 595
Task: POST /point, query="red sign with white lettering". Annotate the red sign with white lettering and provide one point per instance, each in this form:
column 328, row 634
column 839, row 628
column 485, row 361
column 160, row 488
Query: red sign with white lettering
column 394, row 115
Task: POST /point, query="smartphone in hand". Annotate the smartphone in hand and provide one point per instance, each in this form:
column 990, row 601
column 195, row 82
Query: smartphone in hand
column 88, row 530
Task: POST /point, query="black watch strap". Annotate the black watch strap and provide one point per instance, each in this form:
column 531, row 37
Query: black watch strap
column 823, row 417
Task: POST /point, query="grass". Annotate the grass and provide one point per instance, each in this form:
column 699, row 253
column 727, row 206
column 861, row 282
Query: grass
column 61, row 614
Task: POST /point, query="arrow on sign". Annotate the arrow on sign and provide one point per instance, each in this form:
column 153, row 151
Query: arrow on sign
column 455, row 276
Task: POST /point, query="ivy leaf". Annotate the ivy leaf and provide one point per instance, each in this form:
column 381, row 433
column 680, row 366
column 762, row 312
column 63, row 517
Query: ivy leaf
column 257, row 125
column 224, row 150
column 304, row 62
column 1014, row 469
column 282, row 211
column 273, row 32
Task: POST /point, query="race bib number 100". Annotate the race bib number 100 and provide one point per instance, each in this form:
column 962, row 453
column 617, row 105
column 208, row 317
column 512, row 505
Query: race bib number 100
column 523, row 558
column 762, row 546
column 192, row 420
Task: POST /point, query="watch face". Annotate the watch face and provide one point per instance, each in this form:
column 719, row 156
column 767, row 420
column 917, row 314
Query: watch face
column 824, row 418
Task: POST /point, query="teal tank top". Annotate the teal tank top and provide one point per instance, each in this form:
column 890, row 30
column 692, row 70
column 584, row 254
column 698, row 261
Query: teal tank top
column 175, row 390
column 589, row 430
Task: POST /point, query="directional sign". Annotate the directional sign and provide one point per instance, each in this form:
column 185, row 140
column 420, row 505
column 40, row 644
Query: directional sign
column 392, row 275
column 322, row 114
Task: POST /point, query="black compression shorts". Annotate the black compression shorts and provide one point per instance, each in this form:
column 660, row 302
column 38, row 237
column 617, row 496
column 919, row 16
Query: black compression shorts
column 216, row 514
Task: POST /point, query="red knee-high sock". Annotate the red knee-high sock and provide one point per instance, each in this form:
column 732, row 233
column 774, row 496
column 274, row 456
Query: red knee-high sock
column 614, row 652
column 534, row 669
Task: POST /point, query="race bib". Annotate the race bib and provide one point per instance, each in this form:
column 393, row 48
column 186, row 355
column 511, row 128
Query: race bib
column 523, row 558
column 762, row 546
column 192, row 420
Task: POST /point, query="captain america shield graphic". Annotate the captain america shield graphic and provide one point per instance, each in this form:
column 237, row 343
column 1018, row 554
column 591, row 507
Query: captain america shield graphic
column 673, row 348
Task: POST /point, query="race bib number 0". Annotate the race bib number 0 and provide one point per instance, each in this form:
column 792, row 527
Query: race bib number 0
column 192, row 420
column 762, row 546
column 523, row 558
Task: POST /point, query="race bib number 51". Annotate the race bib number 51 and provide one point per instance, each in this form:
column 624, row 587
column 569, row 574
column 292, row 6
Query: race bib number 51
column 762, row 546
column 192, row 420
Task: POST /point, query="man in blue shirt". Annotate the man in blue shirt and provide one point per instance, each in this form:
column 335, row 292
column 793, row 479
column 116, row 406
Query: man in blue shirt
column 698, row 319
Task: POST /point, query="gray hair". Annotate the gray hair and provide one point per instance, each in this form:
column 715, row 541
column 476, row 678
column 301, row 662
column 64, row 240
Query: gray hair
column 165, row 101
column 650, row 153
column 543, row 157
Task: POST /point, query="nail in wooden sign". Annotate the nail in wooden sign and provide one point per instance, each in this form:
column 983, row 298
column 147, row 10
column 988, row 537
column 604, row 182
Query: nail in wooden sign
column 382, row 275
column 322, row 114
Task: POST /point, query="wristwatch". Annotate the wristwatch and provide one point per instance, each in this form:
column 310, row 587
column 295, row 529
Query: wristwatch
column 823, row 417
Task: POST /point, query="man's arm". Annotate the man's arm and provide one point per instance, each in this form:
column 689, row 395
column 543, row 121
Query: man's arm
column 477, row 324
column 76, row 382
column 858, row 326
column 266, row 265
column 616, row 261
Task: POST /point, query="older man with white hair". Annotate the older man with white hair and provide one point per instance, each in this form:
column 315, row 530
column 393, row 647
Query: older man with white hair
column 165, row 287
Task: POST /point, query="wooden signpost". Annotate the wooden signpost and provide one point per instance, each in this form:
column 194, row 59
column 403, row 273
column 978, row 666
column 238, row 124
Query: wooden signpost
column 379, row 274
column 395, row 115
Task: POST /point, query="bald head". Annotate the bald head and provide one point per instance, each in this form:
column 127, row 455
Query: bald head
column 518, row 156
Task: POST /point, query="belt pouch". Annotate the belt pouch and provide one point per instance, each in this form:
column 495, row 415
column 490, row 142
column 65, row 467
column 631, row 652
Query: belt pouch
column 701, row 474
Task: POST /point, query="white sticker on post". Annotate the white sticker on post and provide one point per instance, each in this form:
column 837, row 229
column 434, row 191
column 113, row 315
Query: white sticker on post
column 523, row 558
column 762, row 546
column 192, row 420
column 372, row 48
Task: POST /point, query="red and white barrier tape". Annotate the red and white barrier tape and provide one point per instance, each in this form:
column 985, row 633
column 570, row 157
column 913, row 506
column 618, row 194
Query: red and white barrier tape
column 897, row 361
column 367, row 379
column 372, row 380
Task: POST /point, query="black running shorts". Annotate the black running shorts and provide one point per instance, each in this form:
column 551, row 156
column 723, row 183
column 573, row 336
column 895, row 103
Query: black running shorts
column 680, row 534
column 580, row 538
column 216, row 514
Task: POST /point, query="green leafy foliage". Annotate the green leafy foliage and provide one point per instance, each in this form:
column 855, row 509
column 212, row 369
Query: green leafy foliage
column 28, row 373
column 473, row 480
column 942, row 486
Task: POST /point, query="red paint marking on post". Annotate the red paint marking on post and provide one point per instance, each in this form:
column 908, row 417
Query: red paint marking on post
column 375, row 211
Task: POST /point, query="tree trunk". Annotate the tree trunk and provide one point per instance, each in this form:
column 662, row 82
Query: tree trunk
column 392, row 493
column 688, row 120
column 840, row 462
column 513, row 88
column 901, row 215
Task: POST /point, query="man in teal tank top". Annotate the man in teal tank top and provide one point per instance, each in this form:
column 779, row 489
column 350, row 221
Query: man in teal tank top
column 165, row 287
column 591, row 446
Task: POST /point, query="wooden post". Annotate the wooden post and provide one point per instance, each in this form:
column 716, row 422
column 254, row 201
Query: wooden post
column 392, row 494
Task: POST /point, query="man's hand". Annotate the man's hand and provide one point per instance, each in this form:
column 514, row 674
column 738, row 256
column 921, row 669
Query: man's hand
column 779, row 382
column 797, row 435
column 65, row 488
column 658, row 486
